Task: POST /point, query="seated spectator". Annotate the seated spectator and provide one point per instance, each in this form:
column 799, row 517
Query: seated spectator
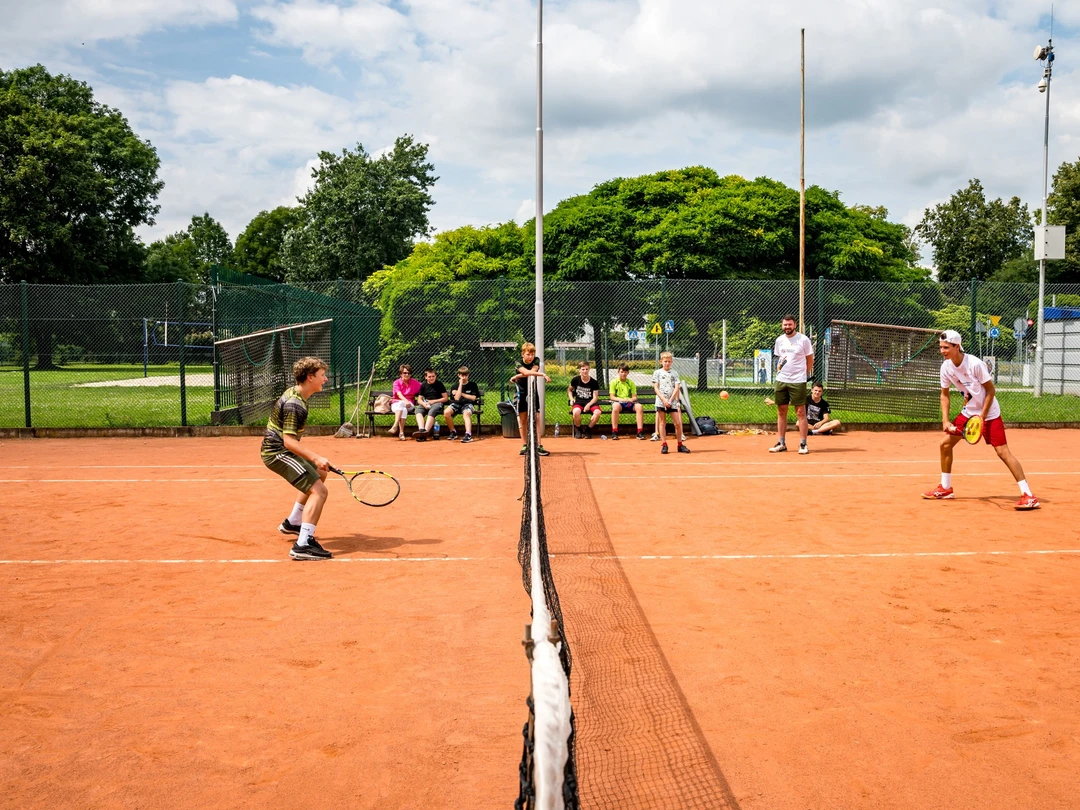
column 584, row 394
column 404, row 400
column 817, row 413
column 624, row 397
column 431, row 401
column 463, row 397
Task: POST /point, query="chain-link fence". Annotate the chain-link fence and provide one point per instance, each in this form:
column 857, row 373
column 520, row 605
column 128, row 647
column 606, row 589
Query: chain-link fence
column 142, row 355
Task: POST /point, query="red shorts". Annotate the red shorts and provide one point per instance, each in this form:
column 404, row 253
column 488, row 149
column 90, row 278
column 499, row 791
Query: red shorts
column 589, row 408
column 993, row 430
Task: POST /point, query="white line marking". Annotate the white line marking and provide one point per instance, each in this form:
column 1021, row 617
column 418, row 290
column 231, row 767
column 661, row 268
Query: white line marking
column 831, row 462
column 642, row 557
column 211, row 480
column 809, row 475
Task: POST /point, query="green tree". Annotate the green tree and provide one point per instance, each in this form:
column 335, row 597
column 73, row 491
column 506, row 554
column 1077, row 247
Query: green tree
column 189, row 255
column 363, row 214
column 258, row 248
column 973, row 238
column 1063, row 208
column 74, row 183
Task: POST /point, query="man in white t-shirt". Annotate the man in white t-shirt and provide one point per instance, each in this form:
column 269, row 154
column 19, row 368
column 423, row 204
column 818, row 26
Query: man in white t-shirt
column 972, row 378
column 796, row 364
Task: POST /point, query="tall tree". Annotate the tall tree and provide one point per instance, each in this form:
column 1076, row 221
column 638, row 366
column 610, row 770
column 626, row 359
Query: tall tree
column 258, row 248
column 74, row 183
column 189, row 255
column 972, row 238
column 1063, row 208
column 363, row 214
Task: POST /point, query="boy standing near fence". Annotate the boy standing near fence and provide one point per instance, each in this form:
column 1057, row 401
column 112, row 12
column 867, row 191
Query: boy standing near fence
column 304, row 469
column 529, row 367
column 666, row 384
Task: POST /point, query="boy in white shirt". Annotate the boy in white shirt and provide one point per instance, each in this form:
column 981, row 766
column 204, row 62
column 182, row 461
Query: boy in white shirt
column 796, row 365
column 972, row 378
column 665, row 382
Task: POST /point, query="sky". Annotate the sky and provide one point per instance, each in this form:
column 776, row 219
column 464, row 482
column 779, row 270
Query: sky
column 905, row 101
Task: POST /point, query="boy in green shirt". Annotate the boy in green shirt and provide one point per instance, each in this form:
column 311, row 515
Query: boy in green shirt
column 624, row 397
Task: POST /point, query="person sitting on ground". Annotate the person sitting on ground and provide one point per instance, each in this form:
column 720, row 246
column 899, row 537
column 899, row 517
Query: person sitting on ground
column 432, row 400
column 463, row 398
column 817, row 413
column 584, row 394
column 624, row 397
column 404, row 401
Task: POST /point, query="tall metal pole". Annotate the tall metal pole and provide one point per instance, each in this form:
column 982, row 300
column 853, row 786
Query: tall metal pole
column 802, row 182
column 540, row 182
column 1042, row 262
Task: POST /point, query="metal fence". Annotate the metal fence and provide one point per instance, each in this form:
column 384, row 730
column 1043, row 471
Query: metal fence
column 141, row 355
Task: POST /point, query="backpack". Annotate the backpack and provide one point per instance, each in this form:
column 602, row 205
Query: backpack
column 707, row 426
column 381, row 404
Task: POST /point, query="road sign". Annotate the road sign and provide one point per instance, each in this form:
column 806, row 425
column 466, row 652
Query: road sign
column 1018, row 334
column 669, row 326
column 657, row 329
column 1020, row 325
column 980, row 326
column 994, row 333
column 995, row 320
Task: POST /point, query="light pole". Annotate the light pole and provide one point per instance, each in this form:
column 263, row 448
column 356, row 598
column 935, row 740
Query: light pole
column 1043, row 53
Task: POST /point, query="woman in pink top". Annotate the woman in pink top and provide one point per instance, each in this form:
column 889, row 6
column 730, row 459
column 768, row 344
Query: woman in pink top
column 404, row 401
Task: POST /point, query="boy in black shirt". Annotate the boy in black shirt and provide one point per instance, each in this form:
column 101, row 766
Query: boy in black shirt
column 584, row 394
column 817, row 413
column 529, row 367
column 432, row 399
column 463, row 397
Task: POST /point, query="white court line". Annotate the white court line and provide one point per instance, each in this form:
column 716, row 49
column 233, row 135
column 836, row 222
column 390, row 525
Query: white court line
column 201, row 466
column 798, row 475
column 807, row 462
column 210, row 480
column 643, row 557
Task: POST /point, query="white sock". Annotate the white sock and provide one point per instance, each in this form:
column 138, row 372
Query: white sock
column 296, row 516
column 307, row 532
column 1024, row 488
column 946, row 480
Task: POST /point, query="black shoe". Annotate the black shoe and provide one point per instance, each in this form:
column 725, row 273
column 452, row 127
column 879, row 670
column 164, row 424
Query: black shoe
column 451, row 435
column 641, row 435
column 577, row 433
column 588, row 432
column 467, row 439
column 683, row 448
column 663, row 449
column 312, row 551
column 614, row 436
column 524, row 450
column 288, row 528
column 541, row 451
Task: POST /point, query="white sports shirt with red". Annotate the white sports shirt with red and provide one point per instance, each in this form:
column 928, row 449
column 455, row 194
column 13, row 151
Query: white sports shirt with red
column 969, row 377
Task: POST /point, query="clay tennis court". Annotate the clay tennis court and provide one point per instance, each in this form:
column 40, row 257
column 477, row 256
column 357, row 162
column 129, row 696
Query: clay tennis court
column 748, row 631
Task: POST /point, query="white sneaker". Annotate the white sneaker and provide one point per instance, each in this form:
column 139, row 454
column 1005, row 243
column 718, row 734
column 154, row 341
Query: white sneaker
column 779, row 447
column 803, row 449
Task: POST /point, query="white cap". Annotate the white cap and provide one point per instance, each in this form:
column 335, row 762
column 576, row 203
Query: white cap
column 952, row 336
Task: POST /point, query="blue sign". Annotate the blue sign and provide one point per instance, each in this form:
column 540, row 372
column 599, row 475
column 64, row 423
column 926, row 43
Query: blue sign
column 1018, row 334
column 994, row 333
column 632, row 335
column 669, row 326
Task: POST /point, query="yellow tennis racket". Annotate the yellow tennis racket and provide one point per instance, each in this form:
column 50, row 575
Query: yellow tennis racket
column 371, row 487
column 973, row 430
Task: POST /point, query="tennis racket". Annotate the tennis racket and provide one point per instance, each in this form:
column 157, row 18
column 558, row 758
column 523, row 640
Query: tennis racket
column 973, row 430
column 371, row 487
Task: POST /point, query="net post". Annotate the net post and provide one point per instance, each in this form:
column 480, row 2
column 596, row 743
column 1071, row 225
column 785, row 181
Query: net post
column 183, row 317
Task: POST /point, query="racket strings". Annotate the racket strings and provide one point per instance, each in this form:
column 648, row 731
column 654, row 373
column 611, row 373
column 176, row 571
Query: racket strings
column 373, row 488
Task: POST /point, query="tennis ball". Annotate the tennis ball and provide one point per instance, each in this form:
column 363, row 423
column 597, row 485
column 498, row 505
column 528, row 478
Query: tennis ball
column 724, row 395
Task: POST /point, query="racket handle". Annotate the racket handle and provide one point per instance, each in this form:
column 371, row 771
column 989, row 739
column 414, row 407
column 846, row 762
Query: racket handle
column 332, row 468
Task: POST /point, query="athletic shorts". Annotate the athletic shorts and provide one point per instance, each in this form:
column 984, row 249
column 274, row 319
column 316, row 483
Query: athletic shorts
column 993, row 429
column 577, row 406
column 625, row 406
column 523, row 403
column 299, row 472
column 433, row 411
column 460, row 407
column 790, row 393
column 669, row 409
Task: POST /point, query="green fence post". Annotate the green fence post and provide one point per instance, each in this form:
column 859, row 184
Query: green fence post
column 974, row 310
column 335, row 361
column 26, row 352
column 819, row 362
column 215, row 362
column 502, row 308
column 181, row 308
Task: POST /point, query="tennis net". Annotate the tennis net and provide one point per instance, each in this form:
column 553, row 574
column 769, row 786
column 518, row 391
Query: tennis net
column 253, row 370
column 548, row 770
column 884, row 369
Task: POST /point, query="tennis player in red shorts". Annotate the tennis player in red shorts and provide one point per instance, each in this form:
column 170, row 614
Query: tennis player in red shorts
column 972, row 378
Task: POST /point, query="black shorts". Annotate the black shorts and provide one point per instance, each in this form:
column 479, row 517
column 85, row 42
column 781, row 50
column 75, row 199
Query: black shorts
column 523, row 402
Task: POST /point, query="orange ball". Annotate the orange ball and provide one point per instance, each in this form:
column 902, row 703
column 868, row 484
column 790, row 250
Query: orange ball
column 724, row 395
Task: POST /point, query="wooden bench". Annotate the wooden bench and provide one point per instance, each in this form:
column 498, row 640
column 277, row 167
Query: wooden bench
column 477, row 412
column 648, row 405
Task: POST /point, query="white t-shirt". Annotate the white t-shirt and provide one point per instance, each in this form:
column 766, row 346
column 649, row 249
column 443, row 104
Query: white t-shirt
column 968, row 377
column 667, row 382
column 792, row 352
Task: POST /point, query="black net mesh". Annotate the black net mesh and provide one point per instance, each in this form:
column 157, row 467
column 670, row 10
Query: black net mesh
column 877, row 368
column 255, row 369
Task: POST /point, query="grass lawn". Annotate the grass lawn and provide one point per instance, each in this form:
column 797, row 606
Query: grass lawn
column 58, row 401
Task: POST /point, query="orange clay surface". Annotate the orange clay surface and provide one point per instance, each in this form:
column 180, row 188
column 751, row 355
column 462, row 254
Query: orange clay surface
column 840, row 642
